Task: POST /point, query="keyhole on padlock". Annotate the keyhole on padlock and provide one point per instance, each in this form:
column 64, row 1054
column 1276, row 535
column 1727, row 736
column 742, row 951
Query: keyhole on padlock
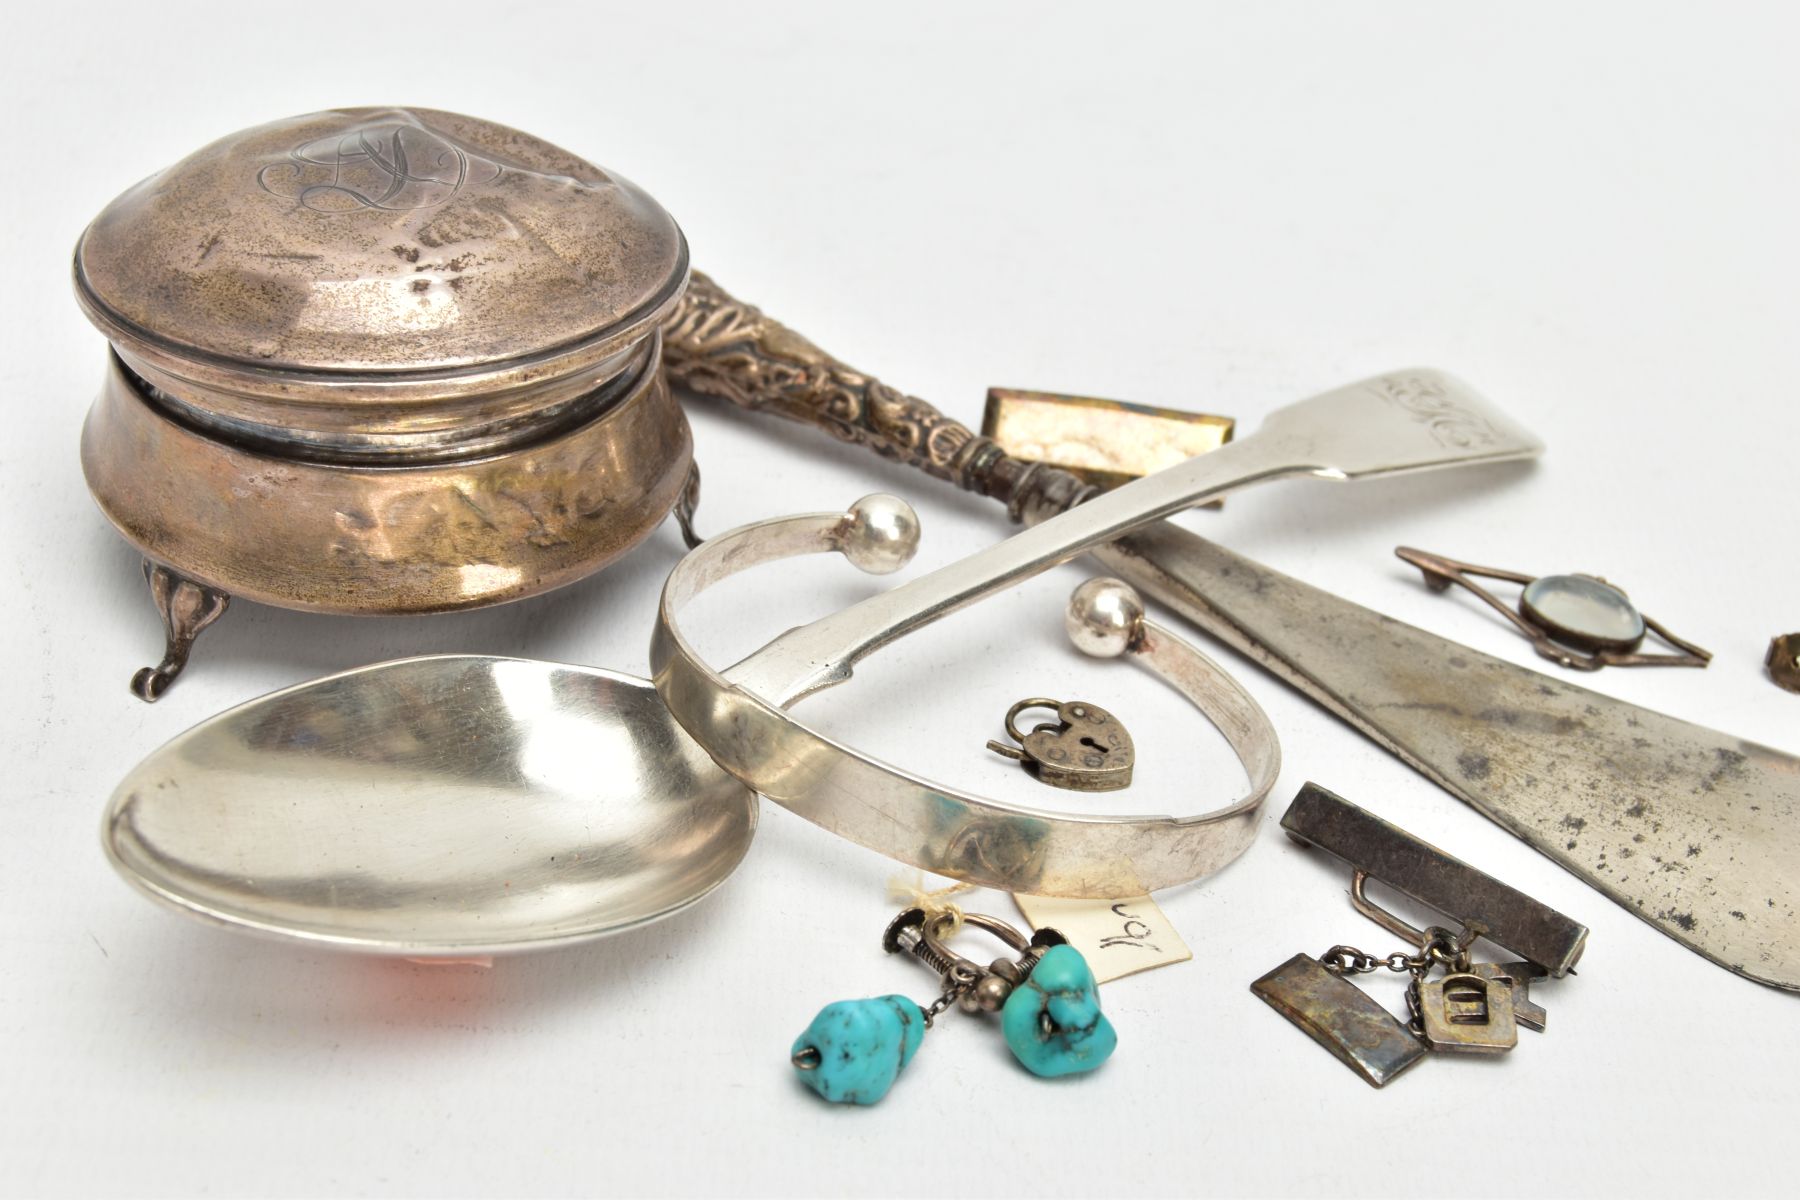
column 1064, row 754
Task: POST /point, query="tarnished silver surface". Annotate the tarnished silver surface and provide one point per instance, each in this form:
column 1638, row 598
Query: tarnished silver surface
column 1477, row 901
column 1340, row 1017
column 1357, row 431
column 1738, row 913
column 1526, row 1011
column 380, row 360
column 187, row 607
column 361, row 241
column 1695, row 831
column 721, row 346
column 1465, row 1013
column 457, row 805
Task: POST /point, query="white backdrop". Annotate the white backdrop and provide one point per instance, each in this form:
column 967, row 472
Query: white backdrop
column 1588, row 212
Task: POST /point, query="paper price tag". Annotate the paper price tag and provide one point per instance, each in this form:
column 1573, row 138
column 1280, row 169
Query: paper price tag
column 1117, row 937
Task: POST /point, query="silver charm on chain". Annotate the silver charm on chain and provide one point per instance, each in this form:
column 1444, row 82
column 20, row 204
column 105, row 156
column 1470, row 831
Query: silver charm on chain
column 1471, row 1008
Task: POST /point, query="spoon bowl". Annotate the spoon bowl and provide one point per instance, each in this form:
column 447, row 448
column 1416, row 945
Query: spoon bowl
column 454, row 805
column 468, row 805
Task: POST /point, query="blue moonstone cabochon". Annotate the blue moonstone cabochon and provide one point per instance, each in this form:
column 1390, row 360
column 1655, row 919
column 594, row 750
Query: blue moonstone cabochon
column 1585, row 607
column 1053, row 1020
column 862, row 1045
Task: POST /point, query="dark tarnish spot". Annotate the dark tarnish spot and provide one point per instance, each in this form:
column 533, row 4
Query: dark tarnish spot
column 1573, row 822
column 1424, row 706
column 1738, row 914
column 408, row 253
column 1684, row 920
column 1693, row 852
column 1731, row 764
column 462, row 226
column 421, row 285
column 1474, row 766
column 1530, row 722
column 207, row 247
column 1636, row 810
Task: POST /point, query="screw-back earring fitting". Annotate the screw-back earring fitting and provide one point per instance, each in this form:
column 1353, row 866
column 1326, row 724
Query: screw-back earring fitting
column 971, row 987
column 855, row 1049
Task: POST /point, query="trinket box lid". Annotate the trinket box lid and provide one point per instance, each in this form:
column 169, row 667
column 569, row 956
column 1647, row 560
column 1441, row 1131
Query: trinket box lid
column 385, row 241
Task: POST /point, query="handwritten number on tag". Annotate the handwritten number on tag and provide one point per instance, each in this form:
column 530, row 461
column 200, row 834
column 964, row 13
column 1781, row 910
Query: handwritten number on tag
column 1134, row 932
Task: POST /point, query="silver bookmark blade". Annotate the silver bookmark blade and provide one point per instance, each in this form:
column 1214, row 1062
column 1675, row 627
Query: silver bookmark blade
column 1695, row 831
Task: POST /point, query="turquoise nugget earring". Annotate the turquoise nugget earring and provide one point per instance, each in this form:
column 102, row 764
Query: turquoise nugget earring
column 1048, row 1003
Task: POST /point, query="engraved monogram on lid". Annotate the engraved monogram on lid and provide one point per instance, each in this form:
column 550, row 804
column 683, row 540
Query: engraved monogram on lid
column 380, row 360
column 388, row 164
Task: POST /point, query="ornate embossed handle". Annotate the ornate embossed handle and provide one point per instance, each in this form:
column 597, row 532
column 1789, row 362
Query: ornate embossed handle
column 717, row 345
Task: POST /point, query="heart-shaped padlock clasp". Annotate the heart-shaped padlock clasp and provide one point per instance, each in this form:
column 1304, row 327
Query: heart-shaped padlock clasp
column 1086, row 749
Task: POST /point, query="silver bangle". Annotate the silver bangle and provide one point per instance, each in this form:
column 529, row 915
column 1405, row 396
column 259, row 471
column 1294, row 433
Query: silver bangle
column 938, row 829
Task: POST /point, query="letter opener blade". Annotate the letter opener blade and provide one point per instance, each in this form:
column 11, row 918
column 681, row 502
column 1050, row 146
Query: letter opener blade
column 1693, row 830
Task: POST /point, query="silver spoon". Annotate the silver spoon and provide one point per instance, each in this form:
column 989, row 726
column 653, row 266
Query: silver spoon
column 468, row 805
